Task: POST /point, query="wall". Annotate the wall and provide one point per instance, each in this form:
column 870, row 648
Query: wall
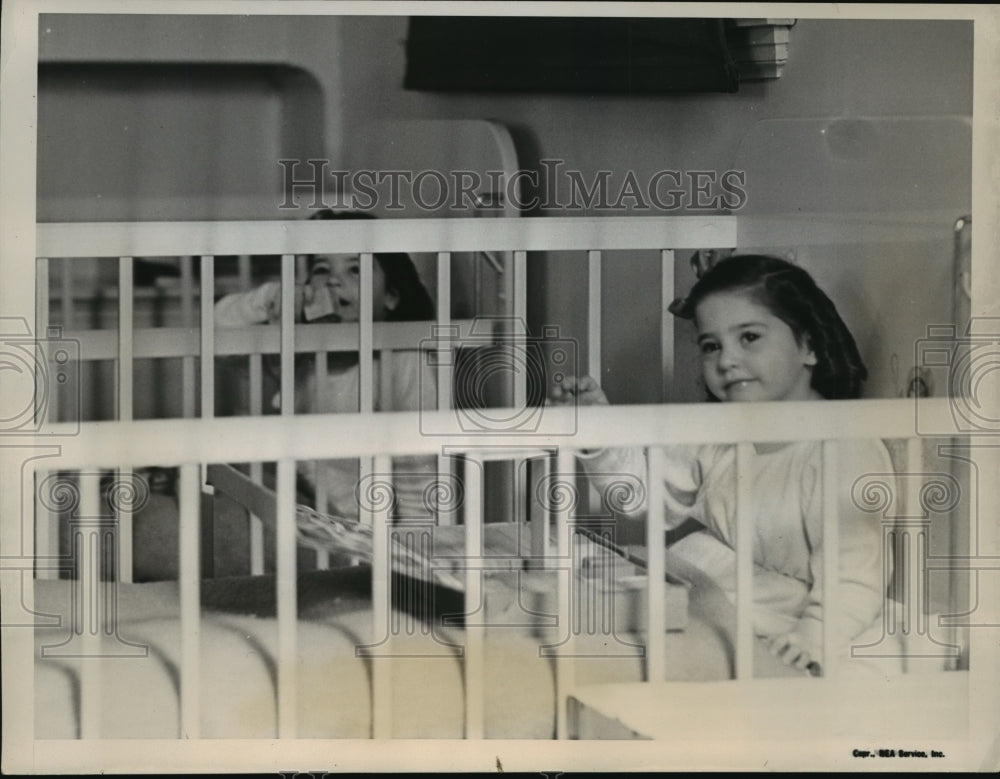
column 311, row 87
column 836, row 68
column 181, row 117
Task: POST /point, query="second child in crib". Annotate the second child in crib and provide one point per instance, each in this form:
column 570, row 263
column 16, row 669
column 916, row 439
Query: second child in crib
column 331, row 294
column 767, row 332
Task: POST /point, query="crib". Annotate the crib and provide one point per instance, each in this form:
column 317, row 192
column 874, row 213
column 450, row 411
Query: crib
column 538, row 603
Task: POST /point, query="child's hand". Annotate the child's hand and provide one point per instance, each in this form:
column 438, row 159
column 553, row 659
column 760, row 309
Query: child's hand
column 584, row 391
column 303, row 297
column 790, row 648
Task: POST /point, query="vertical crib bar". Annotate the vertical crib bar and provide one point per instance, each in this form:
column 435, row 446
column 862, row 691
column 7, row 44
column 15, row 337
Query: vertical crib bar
column 287, row 604
column 89, row 608
column 125, row 527
column 381, row 600
column 207, row 531
column 477, row 285
column 320, row 374
column 474, row 638
column 207, row 336
column 285, row 553
column 68, row 302
column 831, row 555
column 190, row 584
column 69, row 323
column 564, row 586
column 513, row 497
column 126, row 292
column 126, row 314
column 46, row 535
column 256, row 468
column 594, row 314
column 594, row 346
column 444, row 374
column 365, row 340
column 42, row 321
column 667, row 325
column 914, row 612
column 521, row 322
column 744, row 562
column 656, row 661
column 541, row 468
column 187, row 318
column 288, row 334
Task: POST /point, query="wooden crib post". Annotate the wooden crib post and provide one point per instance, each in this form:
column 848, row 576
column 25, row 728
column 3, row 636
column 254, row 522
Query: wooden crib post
column 444, row 374
column 190, row 601
column 46, row 521
column 666, row 325
column 656, row 661
column 538, row 515
column 365, row 337
column 744, row 563
column 58, row 401
column 565, row 466
column 319, row 474
column 594, row 362
column 474, row 629
column 207, row 337
column 256, row 467
column 831, row 557
column 126, row 312
column 375, row 509
column 187, row 320
column 287, row 697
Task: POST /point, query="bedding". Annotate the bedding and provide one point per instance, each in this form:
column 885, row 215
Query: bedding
column 139, row 696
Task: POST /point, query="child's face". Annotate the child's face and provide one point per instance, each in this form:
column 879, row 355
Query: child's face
column 340, row 274
column 749, row 354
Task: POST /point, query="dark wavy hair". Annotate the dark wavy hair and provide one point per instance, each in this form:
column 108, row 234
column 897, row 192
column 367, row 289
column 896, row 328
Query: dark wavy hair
column 791, row 294
column 401, row 276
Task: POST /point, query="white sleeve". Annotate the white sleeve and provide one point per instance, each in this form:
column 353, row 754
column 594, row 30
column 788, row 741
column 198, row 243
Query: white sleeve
column 619, row 476
column 248, row 308
column 612, row 469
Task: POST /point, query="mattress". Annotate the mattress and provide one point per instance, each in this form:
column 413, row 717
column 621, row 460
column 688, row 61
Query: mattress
column 139, row 695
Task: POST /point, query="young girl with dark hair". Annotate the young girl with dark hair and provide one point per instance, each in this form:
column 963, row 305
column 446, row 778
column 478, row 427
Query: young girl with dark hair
column 331, row 293
column 766, row 332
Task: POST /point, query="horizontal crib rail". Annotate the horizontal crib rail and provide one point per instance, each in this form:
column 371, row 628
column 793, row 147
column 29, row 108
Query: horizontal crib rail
column 164, row 342
column 308, row 437
column 173, row 239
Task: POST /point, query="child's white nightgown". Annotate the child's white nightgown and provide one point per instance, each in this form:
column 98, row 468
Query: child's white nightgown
column 413, row 387
column 786, row 490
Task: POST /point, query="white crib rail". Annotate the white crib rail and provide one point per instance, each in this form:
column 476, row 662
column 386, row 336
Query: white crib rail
column 177, row 239
column 290, row 438
column 106, row 445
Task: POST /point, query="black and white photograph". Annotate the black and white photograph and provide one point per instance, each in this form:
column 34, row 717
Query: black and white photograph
column 397, row 386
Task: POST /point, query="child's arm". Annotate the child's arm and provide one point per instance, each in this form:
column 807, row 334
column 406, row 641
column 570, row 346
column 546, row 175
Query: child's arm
column 861, row 590
column 257, row 306
column 618, row 469
column 617, row 472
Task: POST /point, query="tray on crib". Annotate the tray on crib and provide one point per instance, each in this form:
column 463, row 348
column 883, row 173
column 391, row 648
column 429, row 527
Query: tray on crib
column 610, row 576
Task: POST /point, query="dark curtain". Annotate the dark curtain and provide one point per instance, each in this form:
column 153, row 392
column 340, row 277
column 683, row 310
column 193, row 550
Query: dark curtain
column 590, row 55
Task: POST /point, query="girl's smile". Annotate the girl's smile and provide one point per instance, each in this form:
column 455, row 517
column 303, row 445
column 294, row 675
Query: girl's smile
column 749, row 354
